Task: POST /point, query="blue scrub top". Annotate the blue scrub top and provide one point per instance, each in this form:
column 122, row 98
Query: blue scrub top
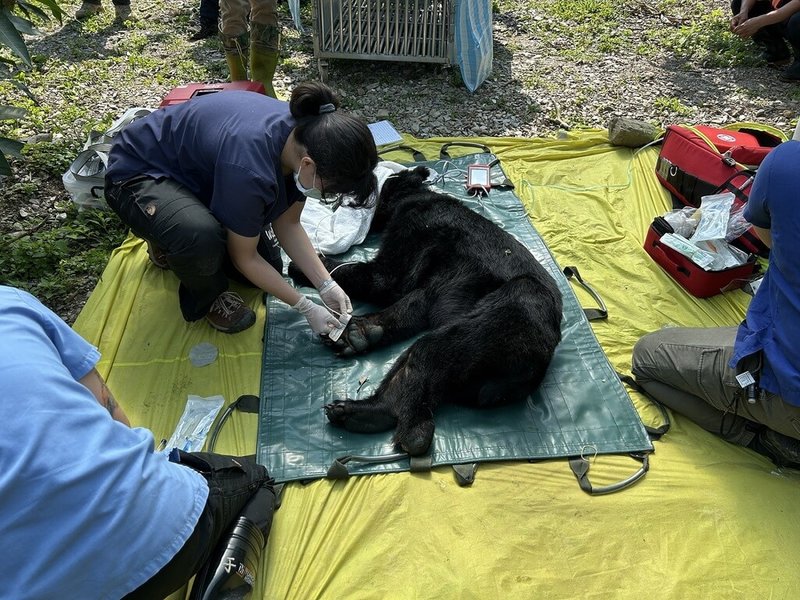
column 773, row 317
column 87, row 509
column 224, row 147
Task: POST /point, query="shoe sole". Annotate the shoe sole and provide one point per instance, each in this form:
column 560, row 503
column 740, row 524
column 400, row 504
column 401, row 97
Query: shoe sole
column 251, row 320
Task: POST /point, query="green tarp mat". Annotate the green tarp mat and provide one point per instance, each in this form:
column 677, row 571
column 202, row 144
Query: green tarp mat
column 581, row 408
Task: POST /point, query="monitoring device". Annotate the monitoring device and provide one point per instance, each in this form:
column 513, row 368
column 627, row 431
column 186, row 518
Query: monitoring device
column 479, row 179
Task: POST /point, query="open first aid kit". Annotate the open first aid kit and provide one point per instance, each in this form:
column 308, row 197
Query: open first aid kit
column 693, row 246
column 701, row 160
column 84, row 180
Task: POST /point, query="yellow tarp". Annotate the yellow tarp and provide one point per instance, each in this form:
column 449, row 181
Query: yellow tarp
column 710, row 520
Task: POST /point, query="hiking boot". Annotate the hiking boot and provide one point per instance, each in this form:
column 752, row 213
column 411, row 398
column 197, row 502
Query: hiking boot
column 230, row 314
column 783, row 450
column 88, row 9
column 157, row 256
column 207, row 29
column 776, row 54
column 791, row 74
column 122, row 11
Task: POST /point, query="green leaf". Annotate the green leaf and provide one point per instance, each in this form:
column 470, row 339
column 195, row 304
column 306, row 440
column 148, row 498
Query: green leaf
column 11, row 112
column 29, row 9
column 5, row 168
column 12, row 147
column 10, row 37
column 55, row 9
column 23, row 25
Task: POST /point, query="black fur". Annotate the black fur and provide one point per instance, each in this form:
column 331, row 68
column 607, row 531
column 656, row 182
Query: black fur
column 493, row 314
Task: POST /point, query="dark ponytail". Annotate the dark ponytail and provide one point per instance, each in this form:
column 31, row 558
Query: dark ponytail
column 340, row 144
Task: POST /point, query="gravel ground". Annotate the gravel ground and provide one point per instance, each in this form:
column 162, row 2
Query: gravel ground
column 93, row 72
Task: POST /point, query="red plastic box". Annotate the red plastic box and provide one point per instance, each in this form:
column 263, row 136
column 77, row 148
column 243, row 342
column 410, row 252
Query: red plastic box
column 186, row 92
column 693, row 278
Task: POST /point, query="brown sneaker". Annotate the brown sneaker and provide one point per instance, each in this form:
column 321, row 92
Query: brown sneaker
column 157, row 256
column 230, row 314
column 88, row 9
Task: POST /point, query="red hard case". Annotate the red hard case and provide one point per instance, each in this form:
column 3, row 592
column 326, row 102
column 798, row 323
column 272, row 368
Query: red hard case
column 692, row 277
column 192, row 90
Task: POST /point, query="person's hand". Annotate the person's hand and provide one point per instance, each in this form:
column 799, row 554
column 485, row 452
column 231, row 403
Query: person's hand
column 319, row 318
column 334, row 297
column 748, row 28
column 738, row 19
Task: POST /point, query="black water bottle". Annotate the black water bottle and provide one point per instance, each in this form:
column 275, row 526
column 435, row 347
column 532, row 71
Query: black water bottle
column 233, row 574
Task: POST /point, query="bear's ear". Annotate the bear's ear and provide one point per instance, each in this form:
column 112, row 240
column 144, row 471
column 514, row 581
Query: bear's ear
column 422, row 173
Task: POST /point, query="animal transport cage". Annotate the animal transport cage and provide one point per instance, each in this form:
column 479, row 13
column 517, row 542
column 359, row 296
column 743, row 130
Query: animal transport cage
column 396, row 30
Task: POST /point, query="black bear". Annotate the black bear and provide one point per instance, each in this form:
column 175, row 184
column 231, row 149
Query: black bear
column 491, row 311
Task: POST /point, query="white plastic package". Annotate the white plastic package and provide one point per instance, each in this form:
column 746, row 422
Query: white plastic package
column 334, row 230
column 697, row 255
column 725, row 255
column 683, row 221
column 195, row 423
column 715, row 213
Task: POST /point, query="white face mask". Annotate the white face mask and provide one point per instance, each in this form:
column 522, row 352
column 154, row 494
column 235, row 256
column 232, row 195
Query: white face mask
column 313, row 193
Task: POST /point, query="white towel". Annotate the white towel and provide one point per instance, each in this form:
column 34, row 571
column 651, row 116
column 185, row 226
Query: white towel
column 335, row 231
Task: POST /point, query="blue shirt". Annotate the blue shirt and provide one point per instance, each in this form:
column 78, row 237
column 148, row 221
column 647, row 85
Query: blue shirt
column 224, row 147
column 87, row 509
column 772, row 323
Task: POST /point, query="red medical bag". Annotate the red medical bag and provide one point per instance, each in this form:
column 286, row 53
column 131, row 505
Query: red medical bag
column 702, row 160
column 693, row 278
column 192, row 90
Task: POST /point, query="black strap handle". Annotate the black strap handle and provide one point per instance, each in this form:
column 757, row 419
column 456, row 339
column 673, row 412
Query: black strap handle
column 580, row 467
column 738, row 190
column 443, row 154
column 418, row 156
column 593, row 314
column 339, row 470
column 655, row 433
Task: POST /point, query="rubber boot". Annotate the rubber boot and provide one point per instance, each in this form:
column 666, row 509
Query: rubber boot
column 236, row 53
column 232, row 573
column 264, row 50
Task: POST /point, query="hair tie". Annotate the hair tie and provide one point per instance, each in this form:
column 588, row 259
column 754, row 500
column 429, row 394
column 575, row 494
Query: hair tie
column 326, row 108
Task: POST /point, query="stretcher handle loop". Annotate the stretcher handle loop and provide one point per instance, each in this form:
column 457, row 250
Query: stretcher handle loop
column 418, row 156
column 443, row 154
column 593, row 314
column 580, row 467
column 339, row 470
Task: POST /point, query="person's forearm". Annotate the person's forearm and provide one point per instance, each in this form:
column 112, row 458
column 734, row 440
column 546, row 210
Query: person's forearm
column 784, row 12
column 295, row 243
column 97, row 385
column 261, row 274
column 764, row 235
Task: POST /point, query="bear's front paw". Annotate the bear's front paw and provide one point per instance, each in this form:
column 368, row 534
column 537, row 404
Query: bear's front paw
column 360, row 335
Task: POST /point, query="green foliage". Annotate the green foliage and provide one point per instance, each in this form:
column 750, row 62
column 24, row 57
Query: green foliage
column 17, row 19
column 706, row 40
column 48, row 263
column 672, row 105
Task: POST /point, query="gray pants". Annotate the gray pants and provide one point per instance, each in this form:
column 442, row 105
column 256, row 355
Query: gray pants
column 687, row 370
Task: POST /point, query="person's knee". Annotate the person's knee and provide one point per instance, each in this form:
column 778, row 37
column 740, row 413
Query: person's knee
column 736, row 6
column 793, row 32
column 644, row 355
column 204, row 251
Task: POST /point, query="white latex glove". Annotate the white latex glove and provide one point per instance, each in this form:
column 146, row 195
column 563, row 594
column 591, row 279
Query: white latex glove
column 334, row 297
column 319, row 318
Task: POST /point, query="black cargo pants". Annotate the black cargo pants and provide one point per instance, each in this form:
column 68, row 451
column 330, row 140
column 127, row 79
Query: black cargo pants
column 171, row 218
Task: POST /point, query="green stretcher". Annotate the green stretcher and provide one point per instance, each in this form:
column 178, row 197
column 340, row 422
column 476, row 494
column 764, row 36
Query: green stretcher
column 580, row 410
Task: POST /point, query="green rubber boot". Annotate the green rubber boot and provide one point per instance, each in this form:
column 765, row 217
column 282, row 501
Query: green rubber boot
column 236, row 53
column 264, row 50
